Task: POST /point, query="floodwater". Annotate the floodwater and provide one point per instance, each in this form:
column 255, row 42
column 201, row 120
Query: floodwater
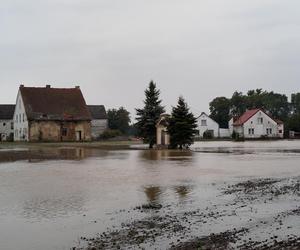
column 51, row 197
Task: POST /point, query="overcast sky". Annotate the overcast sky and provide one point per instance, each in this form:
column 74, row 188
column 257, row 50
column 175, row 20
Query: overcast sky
column 112, row 48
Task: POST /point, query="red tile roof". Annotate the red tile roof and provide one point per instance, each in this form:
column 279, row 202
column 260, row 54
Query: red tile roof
column 248, row 114
column 245, row 117
column 54, row 104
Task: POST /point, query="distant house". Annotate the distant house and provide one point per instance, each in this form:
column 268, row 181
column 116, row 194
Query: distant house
column 6, row 122
column 256, row 123
column 162, row 135
column 99, row 120
column 211, row 128
column 207, row 125
column 51, row 114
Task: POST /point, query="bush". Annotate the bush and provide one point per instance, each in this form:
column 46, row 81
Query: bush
column 236, row 136
column 208, row 135
column 110, row 133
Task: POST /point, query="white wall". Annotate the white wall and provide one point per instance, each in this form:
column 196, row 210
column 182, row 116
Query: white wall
column 210, row 125
column 98, row 127
column 230, row 126
column 224, row 133
column 280, row 128
column 20, row 121
column 260, row 129
column 6, row 128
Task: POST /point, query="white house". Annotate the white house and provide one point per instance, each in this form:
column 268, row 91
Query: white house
column 20, row 120
column 208, row 125
column 256, row 123
column 6, row 122
column 99, row 121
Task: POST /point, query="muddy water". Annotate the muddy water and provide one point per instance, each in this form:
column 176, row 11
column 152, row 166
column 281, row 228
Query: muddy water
column 51, row 197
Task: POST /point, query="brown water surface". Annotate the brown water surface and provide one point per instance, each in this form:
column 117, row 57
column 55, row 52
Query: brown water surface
column 50, row 197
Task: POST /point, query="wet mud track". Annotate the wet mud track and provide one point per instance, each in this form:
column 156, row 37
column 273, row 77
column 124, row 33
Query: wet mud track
column 251, row 214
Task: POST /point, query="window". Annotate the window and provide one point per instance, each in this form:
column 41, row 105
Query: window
column 19, row 117
column 203, row 123
column 4, row 124
column 12, row 126
column 269, row 131
column 23, row 117
column 64, row 132
column 280, row 131
column 251, row 131
column 260, row 120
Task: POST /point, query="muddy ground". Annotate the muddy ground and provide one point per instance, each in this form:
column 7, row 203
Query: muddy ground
column 252, row 214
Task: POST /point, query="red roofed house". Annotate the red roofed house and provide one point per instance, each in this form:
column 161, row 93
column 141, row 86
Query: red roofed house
column 256, row 123
column 51, row 114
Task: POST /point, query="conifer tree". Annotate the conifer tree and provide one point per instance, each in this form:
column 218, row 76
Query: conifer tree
column 149, row 115
column 182, row 125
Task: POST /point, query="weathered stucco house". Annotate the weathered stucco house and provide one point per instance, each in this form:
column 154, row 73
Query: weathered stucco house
column 256, row 123
column 51, row 114
column 6, row 122
column 99, row 120
column 162, row 135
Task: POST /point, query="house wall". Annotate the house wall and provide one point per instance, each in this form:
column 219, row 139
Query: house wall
column 230, row 126
column 98, row 127
column 6, row 128
column 53, row 131
column 280, row 130
column 20, row 121
column 210, row 125
column 260, row 129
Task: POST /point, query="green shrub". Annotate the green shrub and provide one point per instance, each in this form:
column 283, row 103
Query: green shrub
column 208, row 135
column 110, row 133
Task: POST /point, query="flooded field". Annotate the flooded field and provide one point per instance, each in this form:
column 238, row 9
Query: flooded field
column 220, row 195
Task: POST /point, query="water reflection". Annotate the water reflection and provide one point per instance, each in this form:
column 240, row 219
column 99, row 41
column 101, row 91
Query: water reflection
column 153, row 193
column 52, row 207
column 183, row 191
column 171, row 155
column 43, row 154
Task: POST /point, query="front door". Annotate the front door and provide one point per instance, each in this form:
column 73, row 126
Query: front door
column 78, row 136
column 163, row 138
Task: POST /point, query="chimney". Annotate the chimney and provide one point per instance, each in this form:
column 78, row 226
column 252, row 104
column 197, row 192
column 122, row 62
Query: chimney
column 48, row 86
column 77, row 87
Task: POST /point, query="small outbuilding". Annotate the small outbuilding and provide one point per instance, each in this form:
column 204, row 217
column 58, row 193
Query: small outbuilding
column 99, row 121
column 6, row 122
column 162, row 135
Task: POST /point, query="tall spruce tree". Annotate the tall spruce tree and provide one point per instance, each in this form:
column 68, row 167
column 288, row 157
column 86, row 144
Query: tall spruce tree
column 149, row 115
column 182, row 125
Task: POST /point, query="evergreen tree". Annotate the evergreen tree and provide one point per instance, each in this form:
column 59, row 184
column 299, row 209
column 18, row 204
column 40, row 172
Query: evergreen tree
column 182, row 126
column 149, row 115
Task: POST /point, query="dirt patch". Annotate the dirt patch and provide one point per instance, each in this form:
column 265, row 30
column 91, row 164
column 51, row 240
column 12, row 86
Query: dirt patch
column 213, row 241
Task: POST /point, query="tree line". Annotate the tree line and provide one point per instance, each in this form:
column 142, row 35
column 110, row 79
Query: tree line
column 276, row 104
column 182, row 123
